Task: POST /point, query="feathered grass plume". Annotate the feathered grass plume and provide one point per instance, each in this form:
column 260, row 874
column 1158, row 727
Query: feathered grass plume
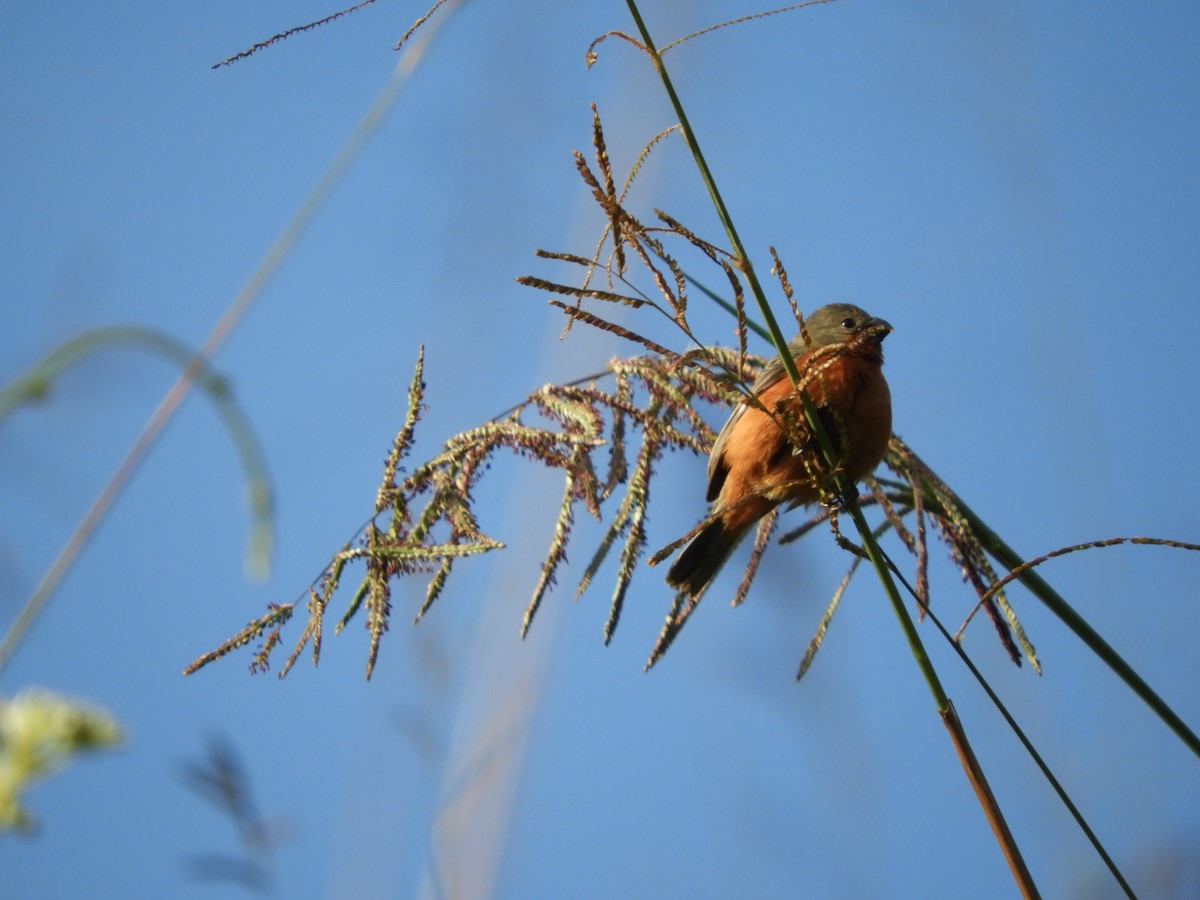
column 581, row 430
column 605, row 435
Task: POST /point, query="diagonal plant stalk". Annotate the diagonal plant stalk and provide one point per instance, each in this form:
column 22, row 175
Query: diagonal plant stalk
column 1018, row 570
column 1093, row 839
column 954, row 727
column 1040, row 588
column 945, row 709
column 741, row 258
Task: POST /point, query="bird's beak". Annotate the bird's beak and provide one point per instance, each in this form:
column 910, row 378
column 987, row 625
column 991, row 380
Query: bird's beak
column 883, row 327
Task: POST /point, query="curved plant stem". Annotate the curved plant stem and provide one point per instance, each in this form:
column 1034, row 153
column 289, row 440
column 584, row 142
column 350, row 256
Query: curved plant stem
column 34, row 384
column 1073, row 620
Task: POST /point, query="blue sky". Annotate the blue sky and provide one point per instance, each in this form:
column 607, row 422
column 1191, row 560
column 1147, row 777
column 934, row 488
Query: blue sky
column 1013, row 186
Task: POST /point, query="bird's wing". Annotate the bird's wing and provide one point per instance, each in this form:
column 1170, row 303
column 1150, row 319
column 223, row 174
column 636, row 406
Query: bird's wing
column 717, row 467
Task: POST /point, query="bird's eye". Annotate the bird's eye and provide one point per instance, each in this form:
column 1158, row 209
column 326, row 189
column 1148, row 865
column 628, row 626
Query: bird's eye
column 847, row 324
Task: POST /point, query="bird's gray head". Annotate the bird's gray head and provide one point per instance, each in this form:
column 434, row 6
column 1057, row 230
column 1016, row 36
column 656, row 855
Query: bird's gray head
column 838, row 323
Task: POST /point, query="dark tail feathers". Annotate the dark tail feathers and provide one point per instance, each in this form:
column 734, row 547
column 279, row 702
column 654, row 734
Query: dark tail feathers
column 702, row 558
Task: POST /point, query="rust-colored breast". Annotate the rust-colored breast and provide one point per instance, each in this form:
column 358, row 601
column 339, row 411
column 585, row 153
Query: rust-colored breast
column 757, row 459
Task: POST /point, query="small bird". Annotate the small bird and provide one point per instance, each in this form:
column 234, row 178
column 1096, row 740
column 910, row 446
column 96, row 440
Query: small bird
column 753, row 467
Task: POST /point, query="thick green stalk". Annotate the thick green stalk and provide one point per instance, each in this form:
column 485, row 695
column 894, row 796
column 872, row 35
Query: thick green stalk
column 777, row 338
column 874, row 553
column 742, row 259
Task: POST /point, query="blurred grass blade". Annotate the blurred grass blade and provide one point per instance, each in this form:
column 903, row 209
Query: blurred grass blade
column 229, row 320
column 35, row 386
